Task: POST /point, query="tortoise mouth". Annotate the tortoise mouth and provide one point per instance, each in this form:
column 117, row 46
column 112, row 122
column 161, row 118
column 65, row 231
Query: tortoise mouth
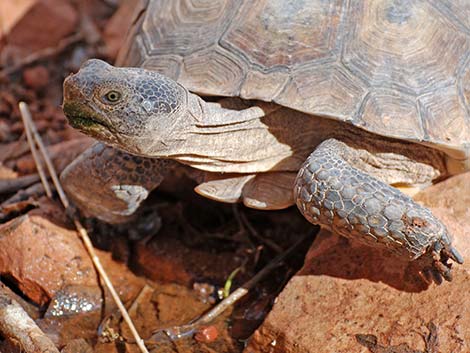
column 83, row 118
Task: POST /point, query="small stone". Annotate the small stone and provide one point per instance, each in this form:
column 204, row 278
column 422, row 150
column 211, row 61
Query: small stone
column 206, row 334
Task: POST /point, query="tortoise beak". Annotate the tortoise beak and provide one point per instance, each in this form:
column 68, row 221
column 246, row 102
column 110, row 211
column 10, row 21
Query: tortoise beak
column 77, row 109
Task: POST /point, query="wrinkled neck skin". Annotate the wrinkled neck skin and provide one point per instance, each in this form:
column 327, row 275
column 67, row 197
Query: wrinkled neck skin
column 234, row 136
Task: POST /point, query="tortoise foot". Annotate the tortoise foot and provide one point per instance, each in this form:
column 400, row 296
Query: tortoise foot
column 330, row 191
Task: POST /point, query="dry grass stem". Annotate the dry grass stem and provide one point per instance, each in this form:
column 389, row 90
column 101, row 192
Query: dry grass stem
column 26, row 116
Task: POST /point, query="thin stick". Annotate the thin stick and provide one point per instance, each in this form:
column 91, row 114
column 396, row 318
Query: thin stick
column 28, row 121
column 81, row 230
column 11, row 185
column 96, row 261
column 17, row 324
column 26, row 116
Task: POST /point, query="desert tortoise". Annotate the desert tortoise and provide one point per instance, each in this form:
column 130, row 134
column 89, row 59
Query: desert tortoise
column 377, row 89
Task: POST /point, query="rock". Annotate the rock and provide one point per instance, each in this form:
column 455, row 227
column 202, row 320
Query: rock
column 36, row 77
column 452, row 194
column 42, row 257
column 4, row 126
column 13, row 150
column 347, row 298
column 35, row 25
column 107, row 348
column 47, row 263
column 11, row 12
column 114, row 34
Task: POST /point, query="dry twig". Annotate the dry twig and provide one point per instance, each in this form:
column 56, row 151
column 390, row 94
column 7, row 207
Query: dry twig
column 29, row 126
column 15, row 323
column 26, row 116
column 21, row 199
column 11, row 185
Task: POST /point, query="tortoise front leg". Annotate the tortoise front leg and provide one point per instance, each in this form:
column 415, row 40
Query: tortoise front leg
column 331, row 191
column 109, row 184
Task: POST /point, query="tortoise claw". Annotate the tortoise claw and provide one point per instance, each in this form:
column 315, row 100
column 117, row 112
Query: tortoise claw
column 440, row 267
column 436, row 276
column 453, row 254
column 426, row 275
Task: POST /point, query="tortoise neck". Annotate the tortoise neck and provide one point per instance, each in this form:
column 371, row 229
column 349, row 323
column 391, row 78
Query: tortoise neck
column 230, row 135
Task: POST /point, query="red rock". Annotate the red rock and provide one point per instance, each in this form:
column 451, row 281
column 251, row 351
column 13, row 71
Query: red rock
column 347, row 298
column 116, row 28
column 452, row 194
column 36, row 77
column 64, row 329
column 42, row 257
column 143, row 313
column 206, row 334
column 36, row 25
column 11, row 12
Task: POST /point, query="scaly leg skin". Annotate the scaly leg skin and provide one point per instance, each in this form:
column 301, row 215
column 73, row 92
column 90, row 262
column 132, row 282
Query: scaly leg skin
column 110, row 184
column 331, row 192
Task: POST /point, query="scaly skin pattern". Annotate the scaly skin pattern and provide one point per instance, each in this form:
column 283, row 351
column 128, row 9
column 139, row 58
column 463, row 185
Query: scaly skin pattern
column 330, row 192
column 111, row 184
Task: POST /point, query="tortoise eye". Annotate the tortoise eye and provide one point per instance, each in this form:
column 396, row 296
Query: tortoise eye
column 112, row 97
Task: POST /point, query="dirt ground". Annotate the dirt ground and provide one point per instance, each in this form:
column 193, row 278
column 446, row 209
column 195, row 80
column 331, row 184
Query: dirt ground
column 169, row 267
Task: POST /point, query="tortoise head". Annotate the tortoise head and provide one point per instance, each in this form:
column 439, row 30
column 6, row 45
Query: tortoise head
column 129, row 108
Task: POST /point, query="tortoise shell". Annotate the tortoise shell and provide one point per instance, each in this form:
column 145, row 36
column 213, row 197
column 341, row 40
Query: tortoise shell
column 398, row 68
